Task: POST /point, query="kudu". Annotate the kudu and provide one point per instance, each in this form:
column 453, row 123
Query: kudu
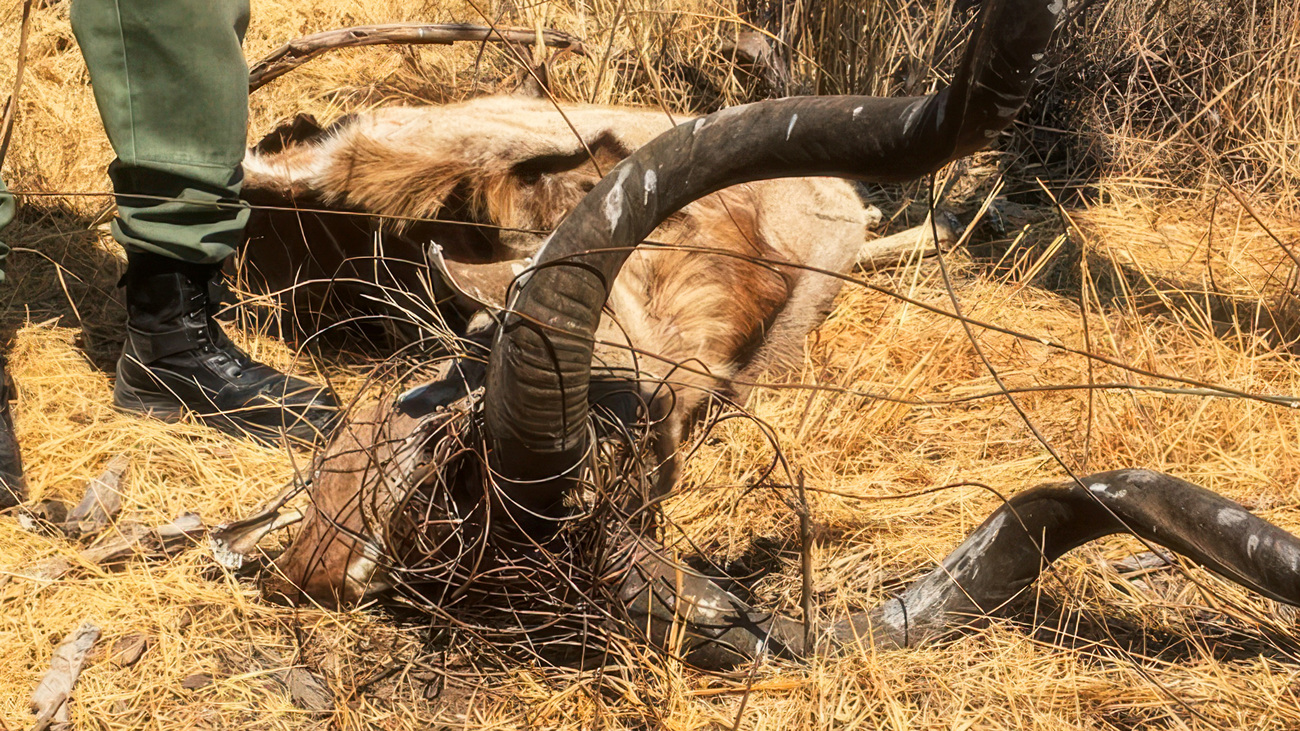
column 529, row 493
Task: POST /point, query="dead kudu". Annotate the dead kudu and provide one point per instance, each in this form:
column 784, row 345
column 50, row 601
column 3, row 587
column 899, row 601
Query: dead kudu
column 521, row 508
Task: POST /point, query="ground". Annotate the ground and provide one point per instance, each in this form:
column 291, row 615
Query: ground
column 1189, row 283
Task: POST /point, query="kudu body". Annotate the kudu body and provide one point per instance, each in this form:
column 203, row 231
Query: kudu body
column 497, row 481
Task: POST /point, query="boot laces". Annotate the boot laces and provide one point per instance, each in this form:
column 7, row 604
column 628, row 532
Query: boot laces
column 210, row 334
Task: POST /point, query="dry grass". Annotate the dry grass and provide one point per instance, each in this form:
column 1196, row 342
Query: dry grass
column 1197, row 95
column 1133, row 283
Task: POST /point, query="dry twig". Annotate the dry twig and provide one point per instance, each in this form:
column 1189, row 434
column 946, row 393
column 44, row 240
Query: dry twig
column 11, row 108
column 297, row 52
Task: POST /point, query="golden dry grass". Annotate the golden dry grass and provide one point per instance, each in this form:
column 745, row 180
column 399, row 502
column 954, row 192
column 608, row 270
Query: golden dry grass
column 1112, row 654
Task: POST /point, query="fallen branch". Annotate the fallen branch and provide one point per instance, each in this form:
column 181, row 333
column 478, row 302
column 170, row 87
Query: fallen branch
column 299, row 51
column 130, row 540
column 150, row 542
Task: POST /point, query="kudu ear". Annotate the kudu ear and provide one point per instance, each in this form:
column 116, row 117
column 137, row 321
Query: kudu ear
column 273, row 167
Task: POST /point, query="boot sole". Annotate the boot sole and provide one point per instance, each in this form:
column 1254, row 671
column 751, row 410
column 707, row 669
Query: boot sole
column 166, row 410
column 161, row 410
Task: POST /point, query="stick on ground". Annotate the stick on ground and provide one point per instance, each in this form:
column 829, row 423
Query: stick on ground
column 299, row 51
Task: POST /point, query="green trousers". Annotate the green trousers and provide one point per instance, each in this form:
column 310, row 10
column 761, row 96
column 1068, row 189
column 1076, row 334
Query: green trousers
column 171, row 84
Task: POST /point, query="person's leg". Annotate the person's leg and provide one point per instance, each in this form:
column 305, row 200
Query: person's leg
column 172, row 87
column 13, row 488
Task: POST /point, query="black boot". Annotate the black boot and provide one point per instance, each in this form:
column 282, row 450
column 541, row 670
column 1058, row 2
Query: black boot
column 13, row 486
column 177, row 360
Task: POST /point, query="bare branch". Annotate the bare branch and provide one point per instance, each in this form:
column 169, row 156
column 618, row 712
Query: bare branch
column 299, row 51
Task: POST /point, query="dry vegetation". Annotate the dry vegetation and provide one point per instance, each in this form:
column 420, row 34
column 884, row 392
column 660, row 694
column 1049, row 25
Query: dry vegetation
column 1153, row 261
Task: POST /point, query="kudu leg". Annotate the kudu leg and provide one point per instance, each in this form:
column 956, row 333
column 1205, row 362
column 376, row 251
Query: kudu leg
column 1001, row 558
column 916, row 242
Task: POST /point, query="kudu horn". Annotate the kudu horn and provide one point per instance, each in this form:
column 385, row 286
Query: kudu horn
column 1000, row 558
column 540, row 368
